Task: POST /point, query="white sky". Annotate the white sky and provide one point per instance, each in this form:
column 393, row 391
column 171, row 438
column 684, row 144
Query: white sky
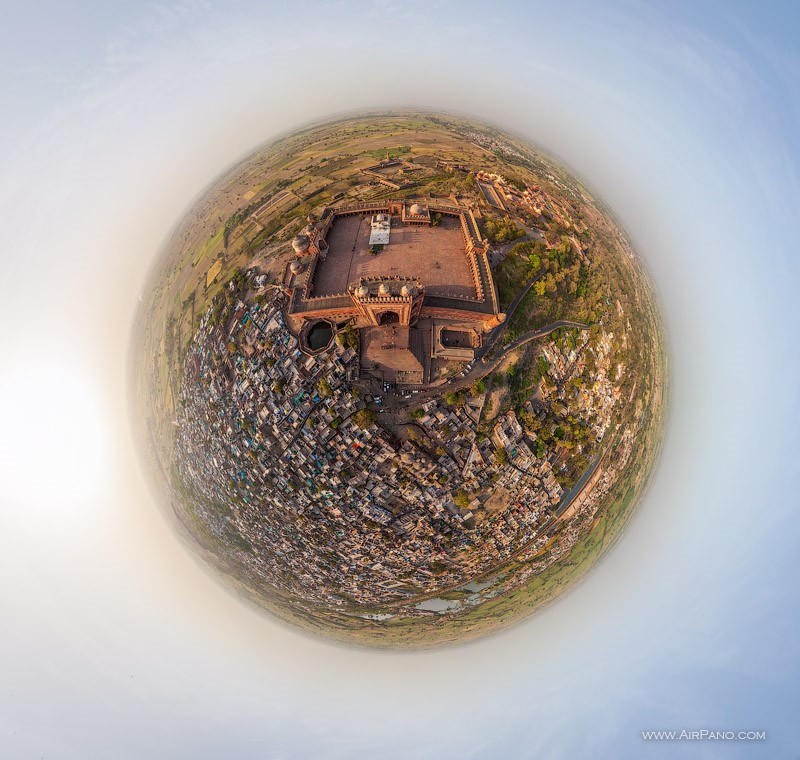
column 116, row 644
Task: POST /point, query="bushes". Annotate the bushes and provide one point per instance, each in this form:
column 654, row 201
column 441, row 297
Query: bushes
column 455, row 399
column 348, row 336
column 364, row 418
column 501, row 230
column 478, row 388
column 461, row 499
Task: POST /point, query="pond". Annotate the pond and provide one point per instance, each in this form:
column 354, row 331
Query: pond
column 438, row 605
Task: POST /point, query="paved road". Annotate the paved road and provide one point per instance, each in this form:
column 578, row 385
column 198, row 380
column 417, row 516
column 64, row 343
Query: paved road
column 531, row 233
column 482, row 367
column 542, row 331
column 479, row 368
column 492, row 337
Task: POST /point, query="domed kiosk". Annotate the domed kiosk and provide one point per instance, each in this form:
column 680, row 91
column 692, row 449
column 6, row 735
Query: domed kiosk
column 301, row 243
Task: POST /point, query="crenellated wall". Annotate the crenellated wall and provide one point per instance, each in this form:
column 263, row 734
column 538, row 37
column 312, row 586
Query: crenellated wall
column 368, row 309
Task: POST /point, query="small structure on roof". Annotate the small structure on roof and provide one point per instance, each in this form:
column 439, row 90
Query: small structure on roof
column 380, row 227
column 301, row 243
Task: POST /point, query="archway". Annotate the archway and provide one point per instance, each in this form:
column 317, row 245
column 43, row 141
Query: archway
column 388, row 318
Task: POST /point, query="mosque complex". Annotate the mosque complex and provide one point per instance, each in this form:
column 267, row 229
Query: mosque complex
column 414, row 279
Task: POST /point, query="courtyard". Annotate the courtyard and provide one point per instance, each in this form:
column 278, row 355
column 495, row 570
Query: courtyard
column 435, row 255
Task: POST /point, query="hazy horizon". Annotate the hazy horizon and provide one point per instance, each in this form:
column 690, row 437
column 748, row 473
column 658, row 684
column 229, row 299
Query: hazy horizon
column 684, row 119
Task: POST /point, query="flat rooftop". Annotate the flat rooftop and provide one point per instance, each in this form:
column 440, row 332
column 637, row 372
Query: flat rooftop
column 387, row 351
column 434, row 255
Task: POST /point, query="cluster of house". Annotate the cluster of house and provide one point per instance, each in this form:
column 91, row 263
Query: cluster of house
column 597, row 402
column 594, row 401
column 493, row 143
column 503, row 195
column 276, row 457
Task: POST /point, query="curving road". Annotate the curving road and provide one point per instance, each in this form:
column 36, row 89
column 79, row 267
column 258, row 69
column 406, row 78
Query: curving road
column 533, row 334
column 481, row 367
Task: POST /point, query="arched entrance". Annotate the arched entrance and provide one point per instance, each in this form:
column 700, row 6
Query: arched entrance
column 388, row 318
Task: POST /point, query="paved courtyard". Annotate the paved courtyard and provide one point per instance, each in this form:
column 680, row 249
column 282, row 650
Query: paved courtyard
column 435, row 255
column 385, row 352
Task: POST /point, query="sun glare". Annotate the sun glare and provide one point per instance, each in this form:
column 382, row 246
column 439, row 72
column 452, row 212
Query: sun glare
column 52, row 438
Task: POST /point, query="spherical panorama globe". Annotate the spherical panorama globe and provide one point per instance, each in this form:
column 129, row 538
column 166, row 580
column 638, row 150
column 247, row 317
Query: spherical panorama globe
column 400, row 378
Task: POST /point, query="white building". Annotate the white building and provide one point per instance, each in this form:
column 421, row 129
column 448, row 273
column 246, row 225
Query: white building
column 380, row 226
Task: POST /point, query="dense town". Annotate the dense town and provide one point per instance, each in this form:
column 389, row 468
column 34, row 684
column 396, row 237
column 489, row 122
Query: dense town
column 329, row 504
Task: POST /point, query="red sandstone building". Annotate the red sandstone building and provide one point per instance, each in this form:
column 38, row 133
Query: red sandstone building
column 413, row 277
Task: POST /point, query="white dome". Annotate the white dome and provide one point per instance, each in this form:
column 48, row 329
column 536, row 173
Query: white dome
column 362, row 292
column 383, row 289
column 416, row 209
column 405, row 291
column 295, row 267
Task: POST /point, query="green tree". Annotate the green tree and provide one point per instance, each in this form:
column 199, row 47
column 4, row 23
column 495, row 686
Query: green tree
column 454, row 399
column 349, row 337
column 542, row 366
column 461, row 499
column 364, row 418
column 478, row 387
